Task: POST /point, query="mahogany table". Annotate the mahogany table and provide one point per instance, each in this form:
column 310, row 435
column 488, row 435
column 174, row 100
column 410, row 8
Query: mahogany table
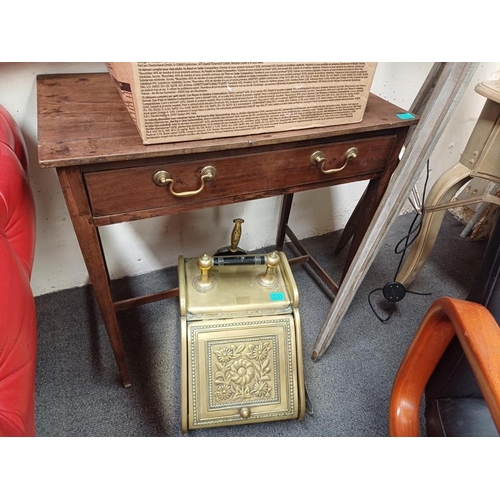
column 108, row 176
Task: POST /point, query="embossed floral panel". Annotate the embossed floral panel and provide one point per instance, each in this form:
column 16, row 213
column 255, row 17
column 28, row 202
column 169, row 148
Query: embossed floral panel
column 242, row 371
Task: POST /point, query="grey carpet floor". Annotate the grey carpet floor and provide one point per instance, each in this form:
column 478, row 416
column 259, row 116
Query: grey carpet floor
column 78, row 391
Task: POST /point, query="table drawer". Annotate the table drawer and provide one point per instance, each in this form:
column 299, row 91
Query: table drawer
column 236, row 178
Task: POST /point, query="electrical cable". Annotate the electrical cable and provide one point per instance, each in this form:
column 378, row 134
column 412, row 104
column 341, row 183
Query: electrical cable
column 395, row 291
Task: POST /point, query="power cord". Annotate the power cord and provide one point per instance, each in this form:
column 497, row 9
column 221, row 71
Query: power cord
column 394, row 291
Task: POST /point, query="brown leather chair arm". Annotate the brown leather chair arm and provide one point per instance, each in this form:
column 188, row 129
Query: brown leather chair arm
column 479, row 335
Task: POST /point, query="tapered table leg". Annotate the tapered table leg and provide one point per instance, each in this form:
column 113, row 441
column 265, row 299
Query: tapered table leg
column 350, row 227
column 368, row 205
column 88, row 237
column 286, row 206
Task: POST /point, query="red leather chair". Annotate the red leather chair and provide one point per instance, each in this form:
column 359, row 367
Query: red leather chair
column 18, row 327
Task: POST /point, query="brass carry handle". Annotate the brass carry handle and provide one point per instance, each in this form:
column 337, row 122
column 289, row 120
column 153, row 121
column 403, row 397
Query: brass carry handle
column 162, row 178
column 318, row 158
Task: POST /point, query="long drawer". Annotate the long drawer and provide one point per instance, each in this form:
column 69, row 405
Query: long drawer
column 233, row 178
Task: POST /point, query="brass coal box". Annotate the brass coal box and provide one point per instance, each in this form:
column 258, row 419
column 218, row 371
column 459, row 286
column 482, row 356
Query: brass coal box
column 241, row 341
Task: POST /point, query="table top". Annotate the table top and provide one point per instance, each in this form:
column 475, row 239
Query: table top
column 82, row 120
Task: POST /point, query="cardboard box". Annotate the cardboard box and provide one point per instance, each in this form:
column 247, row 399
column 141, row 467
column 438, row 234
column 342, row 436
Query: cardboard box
column 172, row 102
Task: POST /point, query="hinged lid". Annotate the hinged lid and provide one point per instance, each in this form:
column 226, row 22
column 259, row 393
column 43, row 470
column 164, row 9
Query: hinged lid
column 236, row 290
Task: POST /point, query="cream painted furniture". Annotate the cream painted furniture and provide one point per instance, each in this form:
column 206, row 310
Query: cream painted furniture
column 480, row 159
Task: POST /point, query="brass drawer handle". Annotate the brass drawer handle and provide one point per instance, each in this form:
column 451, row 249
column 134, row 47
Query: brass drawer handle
column 318, row 158
column 162, row 178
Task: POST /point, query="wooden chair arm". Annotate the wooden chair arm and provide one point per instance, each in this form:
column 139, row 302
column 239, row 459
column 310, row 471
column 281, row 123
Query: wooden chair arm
column 479, row 336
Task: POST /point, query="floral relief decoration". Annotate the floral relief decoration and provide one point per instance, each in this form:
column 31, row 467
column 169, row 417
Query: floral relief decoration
column 243, row 372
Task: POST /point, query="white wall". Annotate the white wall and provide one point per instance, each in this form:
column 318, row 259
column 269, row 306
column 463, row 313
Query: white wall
column 139, row 247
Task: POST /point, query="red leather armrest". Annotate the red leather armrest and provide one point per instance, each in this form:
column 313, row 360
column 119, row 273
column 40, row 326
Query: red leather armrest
column 17, row 309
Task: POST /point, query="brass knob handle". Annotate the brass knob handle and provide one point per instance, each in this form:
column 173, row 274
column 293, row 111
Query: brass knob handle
column 272, row 262
column 163, row 178
column 245, row 412
column 203, row 282
column 318, row 158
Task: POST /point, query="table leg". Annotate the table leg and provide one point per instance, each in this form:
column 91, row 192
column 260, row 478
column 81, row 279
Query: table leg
column 350, row 226
column 286, row 206
column 368, row 204
column 89, row 240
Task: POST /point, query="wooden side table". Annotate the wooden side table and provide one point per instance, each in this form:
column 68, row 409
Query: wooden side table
column 108, row 176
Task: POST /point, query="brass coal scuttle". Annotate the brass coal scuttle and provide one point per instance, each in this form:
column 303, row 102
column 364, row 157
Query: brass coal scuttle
column 241, row 341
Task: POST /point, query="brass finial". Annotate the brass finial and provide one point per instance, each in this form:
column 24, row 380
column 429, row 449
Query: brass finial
column 269, row 278
column 203, row 281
